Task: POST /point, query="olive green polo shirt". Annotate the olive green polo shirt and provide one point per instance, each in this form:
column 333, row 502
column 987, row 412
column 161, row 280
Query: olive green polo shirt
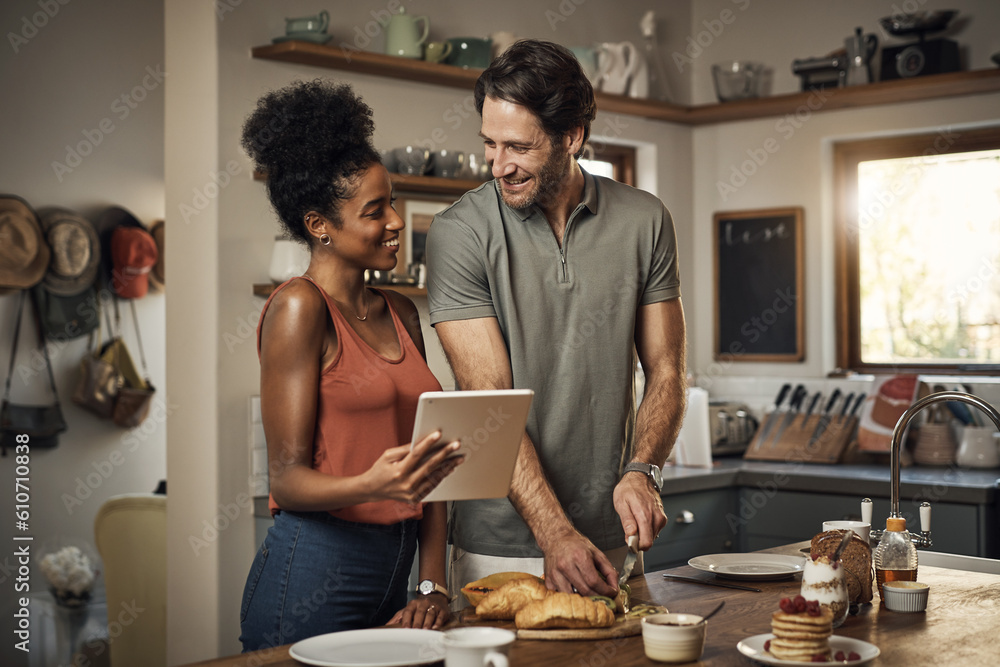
column 568, row 316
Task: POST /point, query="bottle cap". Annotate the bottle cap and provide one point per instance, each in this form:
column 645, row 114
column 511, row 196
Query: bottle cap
column 895, row 523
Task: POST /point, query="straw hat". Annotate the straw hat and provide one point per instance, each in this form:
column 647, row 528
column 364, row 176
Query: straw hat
column 24, row 255
column 76, row 252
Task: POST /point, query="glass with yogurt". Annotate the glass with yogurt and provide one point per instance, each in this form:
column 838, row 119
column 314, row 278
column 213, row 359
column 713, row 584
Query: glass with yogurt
column 823, row 581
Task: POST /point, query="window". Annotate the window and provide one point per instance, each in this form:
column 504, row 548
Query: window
column 918, row 252
column 613, row 161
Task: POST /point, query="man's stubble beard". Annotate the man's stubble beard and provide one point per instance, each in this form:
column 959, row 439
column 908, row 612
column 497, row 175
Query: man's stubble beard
column 549, row 181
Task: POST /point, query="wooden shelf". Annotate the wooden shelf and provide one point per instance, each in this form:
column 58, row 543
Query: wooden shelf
column 265, row 289
column 887, row 92
column 429, row 185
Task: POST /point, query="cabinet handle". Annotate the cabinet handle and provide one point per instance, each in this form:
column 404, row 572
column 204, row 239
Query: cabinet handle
column 685, row 516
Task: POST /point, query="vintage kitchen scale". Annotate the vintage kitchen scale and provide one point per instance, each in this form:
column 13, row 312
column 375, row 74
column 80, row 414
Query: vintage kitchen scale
column 925, row 56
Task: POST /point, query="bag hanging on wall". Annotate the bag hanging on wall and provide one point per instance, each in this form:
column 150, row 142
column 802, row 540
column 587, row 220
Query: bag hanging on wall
column 40, row 424
column 135, row 394
column 99, row 380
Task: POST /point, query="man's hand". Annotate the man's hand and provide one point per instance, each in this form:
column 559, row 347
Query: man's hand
column 573, row 563
column 640, row 508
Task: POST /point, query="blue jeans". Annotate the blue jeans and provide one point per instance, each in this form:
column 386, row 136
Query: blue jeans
column 315, row 574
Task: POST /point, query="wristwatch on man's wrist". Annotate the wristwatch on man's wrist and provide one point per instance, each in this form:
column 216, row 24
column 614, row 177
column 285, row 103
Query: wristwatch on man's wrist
column 650, row 470
column 427, row 587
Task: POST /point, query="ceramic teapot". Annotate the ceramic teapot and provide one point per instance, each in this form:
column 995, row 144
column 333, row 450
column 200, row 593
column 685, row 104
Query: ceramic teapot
column 617, row 63
column 404, row 36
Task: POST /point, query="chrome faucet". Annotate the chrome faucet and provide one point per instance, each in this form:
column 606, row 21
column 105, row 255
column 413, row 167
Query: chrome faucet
column 924, row 539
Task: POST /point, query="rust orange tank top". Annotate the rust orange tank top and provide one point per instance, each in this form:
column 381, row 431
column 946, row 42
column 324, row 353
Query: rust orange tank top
column 367, row 404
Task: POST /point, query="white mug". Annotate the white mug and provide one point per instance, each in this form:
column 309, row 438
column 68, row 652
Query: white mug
column 862, row 529
column 477, row 647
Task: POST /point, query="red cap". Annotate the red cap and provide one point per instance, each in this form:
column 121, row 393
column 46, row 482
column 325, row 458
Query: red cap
column 133, row 254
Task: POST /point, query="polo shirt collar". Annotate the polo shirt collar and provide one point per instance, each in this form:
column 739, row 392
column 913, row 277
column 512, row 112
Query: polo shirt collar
column 589, row 198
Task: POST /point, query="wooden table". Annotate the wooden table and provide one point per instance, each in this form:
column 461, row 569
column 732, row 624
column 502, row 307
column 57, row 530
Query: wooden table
column 960, row 627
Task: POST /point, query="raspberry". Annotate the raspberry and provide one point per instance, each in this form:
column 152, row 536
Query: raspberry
column 800, row 603
column 787, row 605
column 839, row 656
column 815, row 556
column 767, row 645
column 853, row 656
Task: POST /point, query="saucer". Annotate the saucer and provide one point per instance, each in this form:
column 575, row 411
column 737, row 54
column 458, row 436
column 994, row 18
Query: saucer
column 314, row 37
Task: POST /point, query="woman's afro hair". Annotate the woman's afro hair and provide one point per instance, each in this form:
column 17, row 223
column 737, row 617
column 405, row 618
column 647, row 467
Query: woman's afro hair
column 312, row 139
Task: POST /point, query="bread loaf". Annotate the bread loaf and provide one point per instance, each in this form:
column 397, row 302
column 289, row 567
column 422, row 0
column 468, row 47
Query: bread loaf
column 564, row 610
column 856, row 560
column 503, row 603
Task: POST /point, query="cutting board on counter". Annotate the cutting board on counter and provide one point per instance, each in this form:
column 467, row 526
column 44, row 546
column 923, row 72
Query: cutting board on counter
column 796, row 444
column 622, row 628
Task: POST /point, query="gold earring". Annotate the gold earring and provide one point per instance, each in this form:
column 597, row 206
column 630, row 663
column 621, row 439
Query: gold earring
column 324, row 239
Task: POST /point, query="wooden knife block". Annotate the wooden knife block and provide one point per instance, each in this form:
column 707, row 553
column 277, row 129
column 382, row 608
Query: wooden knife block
column 793, row 447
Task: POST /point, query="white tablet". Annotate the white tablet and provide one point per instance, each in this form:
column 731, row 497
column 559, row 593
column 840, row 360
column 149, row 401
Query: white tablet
column 489, row 425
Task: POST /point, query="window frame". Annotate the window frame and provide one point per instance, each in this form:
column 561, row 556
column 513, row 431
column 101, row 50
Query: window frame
column 621, row 157
column 847, row 155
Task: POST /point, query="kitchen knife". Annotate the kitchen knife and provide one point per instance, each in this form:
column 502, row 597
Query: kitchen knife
column 633, row 554
column 823, row 420
column 812, row 406
column 857, row 404
column 794, row 406
column 847, row 406
column 773, row 416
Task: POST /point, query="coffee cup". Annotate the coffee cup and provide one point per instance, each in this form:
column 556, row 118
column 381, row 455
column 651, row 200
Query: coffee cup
column 435, row 52
column 301, row 24
column 470, row 52
column 477, row 647
column 448, row 164
column 862, row 529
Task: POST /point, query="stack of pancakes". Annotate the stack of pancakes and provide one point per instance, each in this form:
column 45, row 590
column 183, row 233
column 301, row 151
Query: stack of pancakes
column 801, row 636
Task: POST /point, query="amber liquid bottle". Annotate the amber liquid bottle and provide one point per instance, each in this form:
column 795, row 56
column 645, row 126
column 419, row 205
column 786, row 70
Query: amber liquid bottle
column 895, row 556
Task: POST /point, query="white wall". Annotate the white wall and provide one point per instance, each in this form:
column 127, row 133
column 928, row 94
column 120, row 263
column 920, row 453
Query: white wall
column 61, row 77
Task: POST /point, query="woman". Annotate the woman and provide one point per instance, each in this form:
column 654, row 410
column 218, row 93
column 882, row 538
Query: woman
column 342, row 366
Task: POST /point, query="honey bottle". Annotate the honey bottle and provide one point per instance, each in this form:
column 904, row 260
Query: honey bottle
column 895, row 556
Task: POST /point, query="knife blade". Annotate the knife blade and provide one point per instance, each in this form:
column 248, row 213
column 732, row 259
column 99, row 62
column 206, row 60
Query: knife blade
column 812, row 406
column 824, row 420
column 857, row 403
column 794, row 406
column 633, row 554
column 773, row 416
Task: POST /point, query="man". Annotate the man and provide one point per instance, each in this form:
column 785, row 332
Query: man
column 551, row 279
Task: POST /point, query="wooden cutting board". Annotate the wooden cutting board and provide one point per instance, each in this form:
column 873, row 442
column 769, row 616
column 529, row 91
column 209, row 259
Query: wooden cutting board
column 622, row 628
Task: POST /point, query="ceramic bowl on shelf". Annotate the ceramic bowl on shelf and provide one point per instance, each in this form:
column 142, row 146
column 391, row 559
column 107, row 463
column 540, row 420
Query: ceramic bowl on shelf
column 736, row 80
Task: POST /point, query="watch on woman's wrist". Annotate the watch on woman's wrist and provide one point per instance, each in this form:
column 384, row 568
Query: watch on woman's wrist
column 650, row 470
column 428, row 587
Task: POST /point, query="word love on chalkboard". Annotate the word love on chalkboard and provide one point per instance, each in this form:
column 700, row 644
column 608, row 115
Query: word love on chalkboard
column 759, row 310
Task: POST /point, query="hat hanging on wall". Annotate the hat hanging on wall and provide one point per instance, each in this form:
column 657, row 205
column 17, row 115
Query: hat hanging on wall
column 156, row 278
column 128, row 253
column 75, row 250
column 24, row 255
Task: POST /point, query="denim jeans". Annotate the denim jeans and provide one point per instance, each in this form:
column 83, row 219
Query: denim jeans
column 315, row 574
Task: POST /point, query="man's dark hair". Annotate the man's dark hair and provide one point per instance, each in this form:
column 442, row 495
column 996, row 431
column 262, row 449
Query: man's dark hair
column 547, row 79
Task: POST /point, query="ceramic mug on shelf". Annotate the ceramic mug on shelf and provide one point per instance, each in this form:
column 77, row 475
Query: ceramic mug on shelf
column 470, row 52
column 301, row 24
column 435, row 52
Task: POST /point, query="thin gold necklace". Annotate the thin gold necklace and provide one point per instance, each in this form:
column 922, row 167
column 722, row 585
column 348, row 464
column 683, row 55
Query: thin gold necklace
column 368, row 304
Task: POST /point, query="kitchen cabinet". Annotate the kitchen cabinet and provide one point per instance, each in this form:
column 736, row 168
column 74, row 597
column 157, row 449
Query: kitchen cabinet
column 696, row 525
column 952, row 84
column 791, row 516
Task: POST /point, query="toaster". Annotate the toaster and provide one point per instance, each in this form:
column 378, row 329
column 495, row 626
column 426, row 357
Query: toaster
column 731, row 427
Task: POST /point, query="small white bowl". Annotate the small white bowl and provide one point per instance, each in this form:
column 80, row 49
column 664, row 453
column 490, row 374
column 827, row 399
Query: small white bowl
column 673, row 637
column 906, row 596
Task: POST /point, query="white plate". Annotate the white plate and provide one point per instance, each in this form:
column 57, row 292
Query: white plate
column 749, row 566
column 374, row 647
column 753, row 648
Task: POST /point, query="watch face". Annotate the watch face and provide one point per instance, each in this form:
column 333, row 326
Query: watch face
column 426, row 587
column 657, row 477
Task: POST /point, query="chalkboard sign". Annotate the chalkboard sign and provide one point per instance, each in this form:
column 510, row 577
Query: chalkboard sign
column 759, row 310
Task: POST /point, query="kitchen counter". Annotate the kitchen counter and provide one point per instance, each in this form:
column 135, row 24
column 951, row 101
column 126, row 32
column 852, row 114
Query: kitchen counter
column 957, row 628
column 977, row 487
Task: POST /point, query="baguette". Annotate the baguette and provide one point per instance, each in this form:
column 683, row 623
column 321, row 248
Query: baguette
column 504, row 602
column 564, row 610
